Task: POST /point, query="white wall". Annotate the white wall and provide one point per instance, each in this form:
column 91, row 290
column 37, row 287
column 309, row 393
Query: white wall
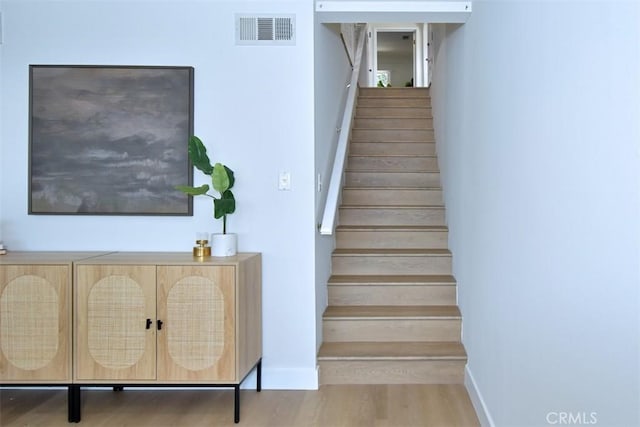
column 364, row 79
column 333, row 72
column 254, row 109
column 537, row 110
column 2, row 164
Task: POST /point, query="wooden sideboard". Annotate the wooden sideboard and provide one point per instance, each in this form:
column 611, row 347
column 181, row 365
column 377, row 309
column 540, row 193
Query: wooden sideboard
column 131, row 318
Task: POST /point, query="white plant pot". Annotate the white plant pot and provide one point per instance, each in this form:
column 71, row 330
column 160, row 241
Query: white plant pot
column 224, row 244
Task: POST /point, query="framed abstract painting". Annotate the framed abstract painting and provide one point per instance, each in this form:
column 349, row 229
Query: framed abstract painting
column 109, row 140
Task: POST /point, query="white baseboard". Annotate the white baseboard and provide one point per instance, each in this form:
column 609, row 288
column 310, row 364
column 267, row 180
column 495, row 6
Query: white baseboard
column 287, row 378
column 476, row 399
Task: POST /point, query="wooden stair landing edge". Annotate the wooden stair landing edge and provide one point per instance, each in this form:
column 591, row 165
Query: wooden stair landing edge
column 391, row 252
column 392, row 351
column 376, row 312
column 393, row 279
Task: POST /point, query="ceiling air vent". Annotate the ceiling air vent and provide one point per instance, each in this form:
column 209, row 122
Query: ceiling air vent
column 265, row 30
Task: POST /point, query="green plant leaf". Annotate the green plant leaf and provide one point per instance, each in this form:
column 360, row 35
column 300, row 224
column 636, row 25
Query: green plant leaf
column 228, row 195
column 220, row 178
column 193, row 191
column 232, row 178
column 198, row 155
column 224, row 206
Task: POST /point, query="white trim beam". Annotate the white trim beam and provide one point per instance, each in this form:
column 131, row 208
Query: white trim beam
column 352, row 11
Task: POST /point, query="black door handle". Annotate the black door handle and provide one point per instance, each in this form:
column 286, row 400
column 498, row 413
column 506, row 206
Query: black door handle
column 149, row 323
column 159, row 322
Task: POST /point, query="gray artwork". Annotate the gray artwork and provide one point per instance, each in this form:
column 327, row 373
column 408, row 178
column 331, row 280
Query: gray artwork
column 110, row 140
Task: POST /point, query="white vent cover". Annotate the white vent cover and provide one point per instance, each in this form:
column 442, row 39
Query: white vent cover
column 265, row 29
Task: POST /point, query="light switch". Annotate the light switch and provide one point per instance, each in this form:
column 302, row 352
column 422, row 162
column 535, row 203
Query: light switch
column 284, row 181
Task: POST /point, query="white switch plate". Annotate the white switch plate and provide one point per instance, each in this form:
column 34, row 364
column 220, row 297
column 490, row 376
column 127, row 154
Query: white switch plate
column 284, row 181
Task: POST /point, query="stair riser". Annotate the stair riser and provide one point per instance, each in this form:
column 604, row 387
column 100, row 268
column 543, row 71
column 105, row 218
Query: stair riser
column 385, row 265
column 393, row 102
column 394, row 92
column 393, row 123
column 391, row 330
column 378, row 239
column 405, row 216
column 392, row 135
column 411, row 112
column 392, row 163
column 376, row 197
column 392, row 179
column 391, row 295
column 408, row 148
column 392, row 372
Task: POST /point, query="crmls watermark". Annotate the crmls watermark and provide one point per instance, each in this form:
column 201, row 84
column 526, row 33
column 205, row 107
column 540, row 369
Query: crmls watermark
column 572, row 418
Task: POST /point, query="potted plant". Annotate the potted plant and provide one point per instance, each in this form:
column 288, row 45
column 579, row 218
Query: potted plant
column 222, row 180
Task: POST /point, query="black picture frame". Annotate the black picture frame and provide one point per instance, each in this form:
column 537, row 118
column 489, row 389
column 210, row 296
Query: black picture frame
column 109, row 139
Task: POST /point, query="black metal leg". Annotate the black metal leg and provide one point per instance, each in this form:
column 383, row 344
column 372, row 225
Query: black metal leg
column 236, row 408
column 74, row 401
column 259, row 375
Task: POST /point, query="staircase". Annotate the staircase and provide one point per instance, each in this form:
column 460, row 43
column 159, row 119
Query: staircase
column 392, row 316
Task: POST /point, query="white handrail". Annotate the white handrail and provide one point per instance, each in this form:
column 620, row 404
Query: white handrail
column 335, row 184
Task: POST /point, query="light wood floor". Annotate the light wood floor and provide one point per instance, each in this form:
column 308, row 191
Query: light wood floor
column 331, row 406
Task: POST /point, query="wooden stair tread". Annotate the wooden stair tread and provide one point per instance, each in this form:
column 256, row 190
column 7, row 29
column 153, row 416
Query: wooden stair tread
column 391, row 92
column 394, row 96
column 392, row 112
column 424, row 115
column 392, row 106
column 392, row 227
column 391, row 188
column 411, row 156
column 387, row 128
column 346, row 279
column 394, row 141
column 392, row 171
column 391, row 206
column 392, row 351
column 398, row 113
column 389, row 312
column 391, row 252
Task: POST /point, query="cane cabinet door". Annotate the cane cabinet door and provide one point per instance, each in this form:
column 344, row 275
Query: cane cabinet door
column 197, row 307
column 35, row 321
column 115, row 323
